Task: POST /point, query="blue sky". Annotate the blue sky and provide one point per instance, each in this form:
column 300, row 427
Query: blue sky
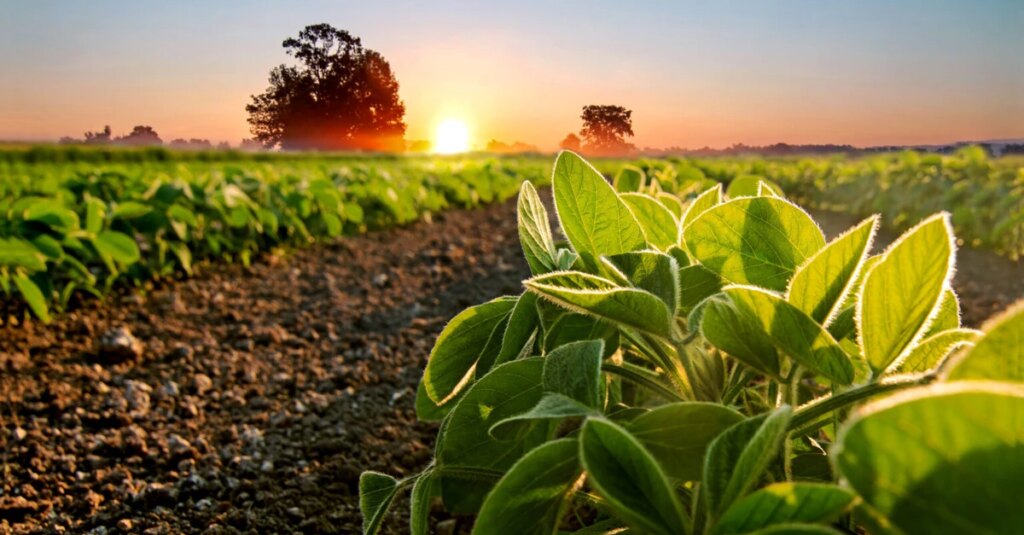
column 695, row 73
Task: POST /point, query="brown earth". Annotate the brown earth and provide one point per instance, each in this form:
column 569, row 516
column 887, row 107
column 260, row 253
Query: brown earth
column 261, row 393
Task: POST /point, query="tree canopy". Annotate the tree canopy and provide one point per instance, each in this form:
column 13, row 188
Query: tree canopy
column 340, row 96
column 605, row 128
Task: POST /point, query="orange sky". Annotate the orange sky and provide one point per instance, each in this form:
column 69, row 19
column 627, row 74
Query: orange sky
column 694, row 74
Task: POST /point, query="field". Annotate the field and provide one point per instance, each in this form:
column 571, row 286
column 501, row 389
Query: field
column 283, row 309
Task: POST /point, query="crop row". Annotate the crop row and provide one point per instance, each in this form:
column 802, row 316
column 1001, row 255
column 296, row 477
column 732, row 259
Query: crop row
column 69, row 230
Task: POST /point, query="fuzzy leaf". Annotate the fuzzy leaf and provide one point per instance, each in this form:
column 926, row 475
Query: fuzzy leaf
column 785, row 503
column 932, row 351
column 731, row 330
column 535, row 231
column 653, row 271
column 737, row 458
column 659, row 225
column 999, row 354
column 603, row 299
column 705, row 201
column 33, row 296
column 117, row 246
column 521, row 330
column 793, row 332
column 630, row 480
column 901, row 292
column 678, row 435
column 940, row 459
column 532, row 495
column 629, row 178
column 426, row 487
column 754, row 240
column 376, row 492
column 510, row 389
column 458, row 348
column 593, row 217
column 820, row 286
column 574, row 370
column 552, row 406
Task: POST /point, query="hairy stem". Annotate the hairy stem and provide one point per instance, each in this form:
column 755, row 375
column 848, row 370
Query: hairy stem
column 824, row 405
column 642, row 378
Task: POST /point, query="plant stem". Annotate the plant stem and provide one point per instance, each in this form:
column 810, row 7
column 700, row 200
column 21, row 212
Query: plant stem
column 822, row 406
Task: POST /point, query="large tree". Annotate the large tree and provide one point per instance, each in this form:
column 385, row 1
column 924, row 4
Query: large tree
column 340, row 96
column 605, row 128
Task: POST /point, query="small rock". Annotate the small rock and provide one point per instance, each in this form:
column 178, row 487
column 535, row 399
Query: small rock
column 170, row 390
column 201, row 383
column 446, row 527
column 19, row 434
column 295, row 512
column 125, row 524
column 118, row 345
column 137, row 394
column 380, row 280
column 204, row 505
column 178, row 446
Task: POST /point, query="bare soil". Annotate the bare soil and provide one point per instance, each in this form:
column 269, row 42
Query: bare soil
column 261, row 393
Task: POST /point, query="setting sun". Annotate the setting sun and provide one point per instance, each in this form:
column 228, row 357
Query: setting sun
column 451, row 136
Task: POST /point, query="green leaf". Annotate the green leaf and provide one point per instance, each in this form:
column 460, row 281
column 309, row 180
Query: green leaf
column 570, row 327
column 56, row 217
column 183, row 254
column 659, row 225
column 821, row 284
column 754, row 240
column 948, row 316
column 674, row 205
column 426, row 487
column 947, row 458
column 49, row 246
column 492, row 348
column 552, row 406
column 593, row 217
column 696, row 283
column 652, row 271
column 797, row 529
column 792, row 332
column 535, row 231
column 95, row 212
column 901, row 292
column 999, row 355
column 737, row 458
column 932, row 351
column 16, row 252
column 427, row 410
column 533, row 494
column 705, row 201
column 458, row 348
column 678, row 435
column 601, row 298
column 117, row 246
column 33, row 296
column 521, row 332
column 464, row 441
column 723, row 324
column 629, row 178
column 376, row 492
column 130, row 210
column 574, row 370
column 785, row 503
column 747, row 186
column 630, row 480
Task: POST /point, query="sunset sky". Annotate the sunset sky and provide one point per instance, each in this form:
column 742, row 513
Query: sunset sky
column 695, row 73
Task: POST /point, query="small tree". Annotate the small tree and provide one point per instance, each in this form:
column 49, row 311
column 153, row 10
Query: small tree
column 140, row 135
column 98, row 138
column 605, row 129
column 571, row 142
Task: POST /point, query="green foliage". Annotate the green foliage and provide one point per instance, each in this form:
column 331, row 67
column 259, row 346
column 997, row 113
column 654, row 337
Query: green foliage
column 679, row 390
column 102, row 218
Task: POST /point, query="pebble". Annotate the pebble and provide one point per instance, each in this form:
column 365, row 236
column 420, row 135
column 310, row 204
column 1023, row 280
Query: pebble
column 201, row 383
column 137, row 394
column 118, row 345
column 380, row 279
column 125, row 524
column 19, row 434
column 178, row 445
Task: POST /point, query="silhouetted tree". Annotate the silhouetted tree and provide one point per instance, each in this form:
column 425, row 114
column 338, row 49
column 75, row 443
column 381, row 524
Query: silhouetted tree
column 340, row 96
column 571, row 142
column 140, row 135
column 250, row 144
column 223, row 145
column 191, row 144
column 605, row 128
column 98, row 138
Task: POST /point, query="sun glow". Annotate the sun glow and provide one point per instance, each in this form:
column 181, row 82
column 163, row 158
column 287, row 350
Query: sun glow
column 451, row 136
